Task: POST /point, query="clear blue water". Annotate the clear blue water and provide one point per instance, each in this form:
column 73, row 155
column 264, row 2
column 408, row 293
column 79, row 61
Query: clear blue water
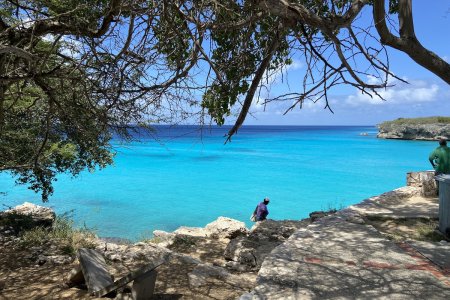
column 185, row 179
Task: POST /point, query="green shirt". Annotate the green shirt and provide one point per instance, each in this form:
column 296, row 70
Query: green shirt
column 441, row 157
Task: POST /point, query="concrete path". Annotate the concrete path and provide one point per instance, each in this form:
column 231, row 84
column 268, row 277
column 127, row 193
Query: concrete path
column 404, row 202
column 341, row 257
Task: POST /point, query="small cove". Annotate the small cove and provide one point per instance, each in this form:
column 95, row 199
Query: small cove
column 189, row 179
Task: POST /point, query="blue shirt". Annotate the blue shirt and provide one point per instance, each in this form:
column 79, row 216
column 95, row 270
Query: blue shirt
column 261, row 212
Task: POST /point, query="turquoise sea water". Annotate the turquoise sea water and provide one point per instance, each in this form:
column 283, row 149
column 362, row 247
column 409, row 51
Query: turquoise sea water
column 189, row 179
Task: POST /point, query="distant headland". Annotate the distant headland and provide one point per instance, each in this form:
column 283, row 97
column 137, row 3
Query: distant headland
column 427, row 129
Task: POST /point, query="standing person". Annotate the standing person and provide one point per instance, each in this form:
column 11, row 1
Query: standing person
column 440, row 158
column 261, row 210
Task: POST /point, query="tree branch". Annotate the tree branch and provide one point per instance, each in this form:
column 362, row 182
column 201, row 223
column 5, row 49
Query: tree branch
column 406, row 20
column 255, row 83
column 407, row 43
column 17, row 51
column 46, row 26
column 296, row 12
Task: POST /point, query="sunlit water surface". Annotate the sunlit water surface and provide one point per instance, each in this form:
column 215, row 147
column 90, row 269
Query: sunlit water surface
column 189, row 179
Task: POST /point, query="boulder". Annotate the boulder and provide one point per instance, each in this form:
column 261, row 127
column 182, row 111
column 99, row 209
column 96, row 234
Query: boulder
column 246, row 253
column 191, row 231
column 315, row 215
column 226, row 228
column 276, row 230
column 243, row 253
column 29, row 215
column 220, row 228
column 163, row 238
column 349, row 215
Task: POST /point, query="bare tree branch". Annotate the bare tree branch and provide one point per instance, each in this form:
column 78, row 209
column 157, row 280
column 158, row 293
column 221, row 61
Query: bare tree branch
column 407, row 42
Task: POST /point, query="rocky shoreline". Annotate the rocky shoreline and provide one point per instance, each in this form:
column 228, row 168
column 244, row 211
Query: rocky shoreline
column 219, row 261
column 424, row 132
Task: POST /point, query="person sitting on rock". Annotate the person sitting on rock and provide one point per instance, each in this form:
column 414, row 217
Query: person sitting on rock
column 261, row 210
column 440, row 158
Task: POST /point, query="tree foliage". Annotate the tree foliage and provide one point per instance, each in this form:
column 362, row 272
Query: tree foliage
column 75, row 72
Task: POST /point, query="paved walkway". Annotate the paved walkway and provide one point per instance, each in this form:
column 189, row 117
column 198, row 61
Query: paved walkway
column 341, row 257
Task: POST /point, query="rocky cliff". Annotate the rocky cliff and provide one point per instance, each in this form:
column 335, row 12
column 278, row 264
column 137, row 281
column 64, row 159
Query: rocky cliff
column 405, row 131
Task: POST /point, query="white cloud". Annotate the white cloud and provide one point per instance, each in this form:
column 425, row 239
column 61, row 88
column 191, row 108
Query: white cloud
column 416, row 91
column 275, row 76
column 258, row 105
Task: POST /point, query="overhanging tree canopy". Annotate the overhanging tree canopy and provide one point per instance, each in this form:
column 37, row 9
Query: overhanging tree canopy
column 74, row 72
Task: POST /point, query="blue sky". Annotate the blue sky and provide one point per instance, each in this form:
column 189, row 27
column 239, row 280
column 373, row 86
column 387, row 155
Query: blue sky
column 425, row 95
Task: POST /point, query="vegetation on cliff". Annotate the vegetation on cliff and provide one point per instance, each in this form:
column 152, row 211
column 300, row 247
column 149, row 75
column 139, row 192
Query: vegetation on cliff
column 418, row 121
column 426, row 129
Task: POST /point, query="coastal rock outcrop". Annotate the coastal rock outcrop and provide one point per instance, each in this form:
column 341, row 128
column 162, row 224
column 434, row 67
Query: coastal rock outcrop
column 316, row 215
column 246, row 253
column 29, row 215
column 429, row 132
column 226, row 228
column 222, row 228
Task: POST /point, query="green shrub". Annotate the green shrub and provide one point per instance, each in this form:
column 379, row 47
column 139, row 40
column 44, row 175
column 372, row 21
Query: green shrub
column 184, row 242
column 63, row 234
column 416, row 121
column 427, row 231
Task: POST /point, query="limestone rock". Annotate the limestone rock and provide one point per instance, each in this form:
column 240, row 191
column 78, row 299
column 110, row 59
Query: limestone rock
column 134, row 253
column 29, row 215
column 54, row 259
column 276, row 230
column 112, row 247
column 351, row 216
column 226, row 228
column 243, row 251
column 413, row 131
column 162, row 234
column 248, row 252
column 423, row 180
column 200, row 275
column 75, row 276
column 203, row 274
column 315, row 215
column 220, row 228
column 163, row 238
column 191, row 231
column 124, row 296
column 235, row 266
column 429, row 188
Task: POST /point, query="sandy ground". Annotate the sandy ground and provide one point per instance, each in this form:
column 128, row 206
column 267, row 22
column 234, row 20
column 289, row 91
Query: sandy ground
column 22, row 278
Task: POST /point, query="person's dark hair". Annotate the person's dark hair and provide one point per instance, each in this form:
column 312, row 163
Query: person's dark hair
column 266, row 200
column 443, row 142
